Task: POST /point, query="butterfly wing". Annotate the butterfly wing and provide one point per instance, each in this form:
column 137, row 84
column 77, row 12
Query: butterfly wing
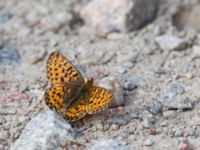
column 55, row 99
column 98, row 99
column 76, row 112
column 61, row 70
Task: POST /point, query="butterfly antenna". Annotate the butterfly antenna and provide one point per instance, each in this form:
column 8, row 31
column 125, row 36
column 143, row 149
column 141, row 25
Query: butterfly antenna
column 82, row 70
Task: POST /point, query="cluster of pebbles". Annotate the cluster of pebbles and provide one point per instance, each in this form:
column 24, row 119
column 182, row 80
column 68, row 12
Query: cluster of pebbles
column 147, row 52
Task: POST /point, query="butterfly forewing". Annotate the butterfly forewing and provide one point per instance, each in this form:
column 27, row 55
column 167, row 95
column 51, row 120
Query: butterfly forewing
column 61, row 70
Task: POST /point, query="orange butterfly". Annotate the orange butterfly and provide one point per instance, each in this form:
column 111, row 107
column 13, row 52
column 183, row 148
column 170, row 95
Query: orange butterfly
column 69, row 94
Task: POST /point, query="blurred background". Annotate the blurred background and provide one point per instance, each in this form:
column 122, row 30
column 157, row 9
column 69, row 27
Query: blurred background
column 148, row 50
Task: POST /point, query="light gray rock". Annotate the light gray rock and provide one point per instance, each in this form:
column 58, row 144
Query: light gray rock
column 173, row 90
column 130, row 82
column 195, row 121
column 105, row 17
column 177, row 132
column 109, row 144
column 5, row 16
column 4, row 135
column 9, row 56
column 148, row 142
column 128, row 64
column 169, row 114
column 192, row 132
column 170, row 42
column 148, row 122
column 1, row 146
column 155, row 107
column 196, row 51
column 7, row 110
column 114, row 127
column 119, row 120
column 179, row 103
column 45, row 131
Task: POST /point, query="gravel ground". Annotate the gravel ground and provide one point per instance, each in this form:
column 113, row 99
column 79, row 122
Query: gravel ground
column 155, row 69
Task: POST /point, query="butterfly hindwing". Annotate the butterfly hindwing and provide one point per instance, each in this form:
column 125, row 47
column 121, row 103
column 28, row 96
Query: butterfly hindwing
column 98, row 99
column 76, row 112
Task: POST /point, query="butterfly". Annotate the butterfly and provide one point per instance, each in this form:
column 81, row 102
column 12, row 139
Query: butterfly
column 69, row 94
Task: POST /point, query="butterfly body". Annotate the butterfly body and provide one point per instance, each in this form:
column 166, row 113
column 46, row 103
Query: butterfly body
column 69, row 94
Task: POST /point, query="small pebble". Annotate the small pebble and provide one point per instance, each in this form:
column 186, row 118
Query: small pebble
column 155, row 107
column 131, row 82
column 196, row 51
column 170, row 42
column 99, row 126
column 148, row 122
column 148, row 142
column 4, row 135
column 164, row 123
column 9, row 56
column 8, row 110
column 159, row 71
column 192, row 131
column 173, row 90
column 114, row 127
column 179, row 103
column 169, row 114
column 1, row 147
column 120, row 120
column 177, row 132
column 128, row 64
column 5, row 16
column 189, row 75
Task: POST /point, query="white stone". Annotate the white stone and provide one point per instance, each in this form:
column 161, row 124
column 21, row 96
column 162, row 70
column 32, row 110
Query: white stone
column 148, row 142
column 170, row 42
column 196, row 51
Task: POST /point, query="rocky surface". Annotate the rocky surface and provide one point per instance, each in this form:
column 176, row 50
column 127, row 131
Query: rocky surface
column 153, row 72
